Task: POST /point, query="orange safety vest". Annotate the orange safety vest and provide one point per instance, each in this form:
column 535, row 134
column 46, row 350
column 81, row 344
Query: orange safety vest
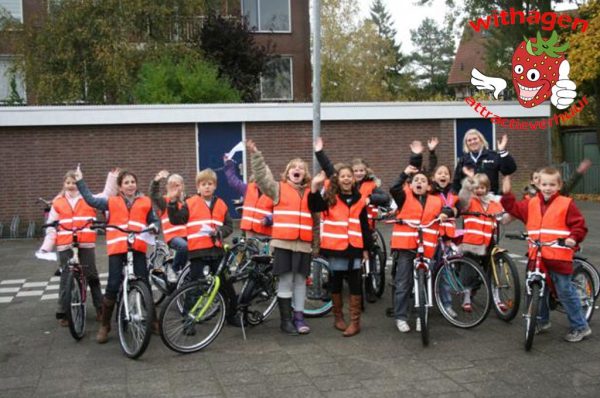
column 69, row 218
column 171, row 231
column 479, row 230
column 133, row 219
column 548, row 227
column 201, row 216
column 448, row 228
column 292, row 219
column 340, row 226
column 256, row 208
column 366, row 189
column 406, row 237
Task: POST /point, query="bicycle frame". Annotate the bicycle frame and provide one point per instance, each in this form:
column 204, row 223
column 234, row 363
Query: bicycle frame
column 421, row 262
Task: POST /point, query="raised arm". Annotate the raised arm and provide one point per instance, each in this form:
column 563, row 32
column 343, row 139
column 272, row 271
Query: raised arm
column 323, row 160
column 233, row 180
column 397, row 190
column 264, row 178
column 507, row 163
column 99, row 203
column 158, row 200
column 110, row 186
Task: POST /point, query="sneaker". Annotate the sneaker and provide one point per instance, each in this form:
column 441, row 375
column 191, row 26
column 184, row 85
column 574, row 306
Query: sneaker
column 402, row 326
column 450, row 312
column 575, row 336
column 418, row 325
column 543, row 327
column 171, row 275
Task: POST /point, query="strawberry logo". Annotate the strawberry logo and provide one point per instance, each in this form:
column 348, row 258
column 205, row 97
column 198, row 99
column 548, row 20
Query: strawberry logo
column 535, row 69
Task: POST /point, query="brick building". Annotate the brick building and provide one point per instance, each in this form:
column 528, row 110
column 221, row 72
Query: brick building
column 38, row 144
column 283, row 23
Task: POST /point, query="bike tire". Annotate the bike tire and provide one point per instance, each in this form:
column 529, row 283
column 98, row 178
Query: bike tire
column 584, row 285
column 506, row 297
column 375, row 281
column 423, row 309
column 530, row 317
column 453, row 280
column 580, row 262
column 134, row 334
column 380, row 241
column 158, row 291
column 75, row 296
column 318, row 299
column 179, row 329
column 260, row 297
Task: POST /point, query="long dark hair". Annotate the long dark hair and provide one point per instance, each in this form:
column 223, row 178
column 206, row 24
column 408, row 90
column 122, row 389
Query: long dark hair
column 334, row 185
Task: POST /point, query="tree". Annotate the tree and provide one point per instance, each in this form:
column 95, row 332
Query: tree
column 395, row 79
column 354, row 57
column 169, row 80
column 230, row 45
column 433, row 55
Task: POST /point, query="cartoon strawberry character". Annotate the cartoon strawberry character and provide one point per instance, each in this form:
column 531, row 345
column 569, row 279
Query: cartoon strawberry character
column 535, row 70
column 539, row 72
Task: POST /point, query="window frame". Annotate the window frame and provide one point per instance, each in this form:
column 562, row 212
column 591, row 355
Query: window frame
column 22, row 19
column 9, row 58
column 291, row 99
column 259, row 30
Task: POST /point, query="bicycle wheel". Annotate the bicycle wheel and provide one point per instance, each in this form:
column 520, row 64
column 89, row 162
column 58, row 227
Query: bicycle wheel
column 158, row 285
column 423, row 309
column 457, row 282
column 198, row 324
column 135, row 331
column 506, row 288
column 318, row 299
column 584, row 285
column 375, row 283
column 259, row 296
column 380, row 242
column 580, row 262
column 533, row 305
column 75, row 300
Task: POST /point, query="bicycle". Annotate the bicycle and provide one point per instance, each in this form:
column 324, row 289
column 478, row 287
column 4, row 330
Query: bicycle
column 135, row 307
column 76, row 283
column 47, row 208
column 374, row 269
column 539, row 287
column 159, row 261
column 502, row 272
column 581, row 261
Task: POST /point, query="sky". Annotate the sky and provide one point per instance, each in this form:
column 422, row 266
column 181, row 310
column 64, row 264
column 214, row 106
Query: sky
column 407, row 16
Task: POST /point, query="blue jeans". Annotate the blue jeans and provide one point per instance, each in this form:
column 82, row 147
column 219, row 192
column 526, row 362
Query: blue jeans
column 403, row 282
column 180, row 246
column 568, row 298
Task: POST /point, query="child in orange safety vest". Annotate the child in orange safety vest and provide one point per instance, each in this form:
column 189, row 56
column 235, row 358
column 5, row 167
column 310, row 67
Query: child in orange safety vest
column 131, row 210
column 292, row 235
column 417, row 205
column 174, row 235
column 549, row 216
column 345, row 240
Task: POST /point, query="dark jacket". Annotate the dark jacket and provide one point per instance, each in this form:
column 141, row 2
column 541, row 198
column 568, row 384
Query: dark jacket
column 316, row 203
column 490, row 163
column 377, row 198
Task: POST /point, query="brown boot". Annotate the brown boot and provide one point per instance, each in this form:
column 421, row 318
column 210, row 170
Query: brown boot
column 355, row 309
column 99, row 314
column 108, row 306
column 338, row 306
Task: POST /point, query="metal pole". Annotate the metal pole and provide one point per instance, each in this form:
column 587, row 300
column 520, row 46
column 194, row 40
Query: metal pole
column 316, row 75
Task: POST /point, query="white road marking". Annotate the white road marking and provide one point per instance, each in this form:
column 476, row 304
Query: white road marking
column 30, row 293
column 9, row 289
column 5, row 299
column 35, row 284
column 51, row 296
column 13, row 281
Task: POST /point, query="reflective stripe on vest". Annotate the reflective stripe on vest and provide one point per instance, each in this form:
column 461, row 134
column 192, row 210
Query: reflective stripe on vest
column 550, row 226
column 133, row 219
column 256, row 208
column 406, row 237
column 479, row 230
column 70, row 218
column 340, row 226
column 202, row 220
column 291, row 218
column 169, row 230
column 448, row 228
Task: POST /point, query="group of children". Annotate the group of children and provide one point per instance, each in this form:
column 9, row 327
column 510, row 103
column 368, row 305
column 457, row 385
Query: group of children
column 330, row 214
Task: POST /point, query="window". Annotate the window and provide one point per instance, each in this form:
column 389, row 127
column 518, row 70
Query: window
column 276, row 82
column 14, row 8
column 6, row 77
column 267, row 15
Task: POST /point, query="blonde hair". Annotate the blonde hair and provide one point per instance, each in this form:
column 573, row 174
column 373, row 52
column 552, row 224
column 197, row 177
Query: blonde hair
column 290, row 164
column 482, row 179
column 476, row 132
column 173, row 178
column 69, row 174
column 361, row 161
column 206, row 175
column 551, row 171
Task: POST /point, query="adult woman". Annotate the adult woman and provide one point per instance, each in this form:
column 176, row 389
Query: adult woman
column 479, row 158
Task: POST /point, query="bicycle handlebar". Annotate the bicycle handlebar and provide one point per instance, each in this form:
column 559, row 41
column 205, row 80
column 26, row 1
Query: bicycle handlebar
column 479, row 214
column 413, row 225
column 525, row 236
column 127, row 231
column 56, row 224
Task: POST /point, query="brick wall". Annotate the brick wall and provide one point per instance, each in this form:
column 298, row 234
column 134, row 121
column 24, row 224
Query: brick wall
column 34, row 160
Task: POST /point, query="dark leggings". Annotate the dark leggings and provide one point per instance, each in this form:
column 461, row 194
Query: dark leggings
column 116, row 262
column 354, row 281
